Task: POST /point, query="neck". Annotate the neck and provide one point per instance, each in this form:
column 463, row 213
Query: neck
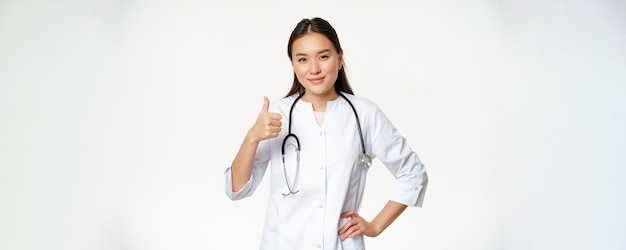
column 319, row 101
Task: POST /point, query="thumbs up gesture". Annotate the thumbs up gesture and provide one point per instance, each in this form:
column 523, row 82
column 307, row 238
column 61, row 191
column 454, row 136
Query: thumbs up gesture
column 267, row 124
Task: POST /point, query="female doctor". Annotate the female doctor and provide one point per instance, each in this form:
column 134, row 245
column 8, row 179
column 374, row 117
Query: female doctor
column 319, row 141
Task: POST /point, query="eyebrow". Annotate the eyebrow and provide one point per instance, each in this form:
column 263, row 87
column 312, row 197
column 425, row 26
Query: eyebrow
column 320, row 52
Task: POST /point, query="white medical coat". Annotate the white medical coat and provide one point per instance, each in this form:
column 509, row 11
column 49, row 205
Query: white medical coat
column 330, row 180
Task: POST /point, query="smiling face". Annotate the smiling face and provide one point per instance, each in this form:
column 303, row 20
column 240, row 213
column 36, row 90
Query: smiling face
column 316, row 64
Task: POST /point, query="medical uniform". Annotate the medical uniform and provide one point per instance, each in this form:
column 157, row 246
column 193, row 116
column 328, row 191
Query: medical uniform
column 329, row 179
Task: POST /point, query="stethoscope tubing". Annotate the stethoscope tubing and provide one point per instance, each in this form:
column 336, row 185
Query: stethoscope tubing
column 358, row 122
column 362, row 157
column 289, row 134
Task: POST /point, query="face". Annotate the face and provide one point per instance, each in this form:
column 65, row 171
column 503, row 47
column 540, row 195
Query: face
column 316, row 64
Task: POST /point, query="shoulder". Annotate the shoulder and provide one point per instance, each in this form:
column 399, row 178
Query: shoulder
column 288, row 100
column 283, row 104
column 368, row 111
column 361, row 103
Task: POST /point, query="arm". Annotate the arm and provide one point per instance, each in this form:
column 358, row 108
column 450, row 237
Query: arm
column 241, row 168
column 266, row 126
column 393, row 150
column 385, row 217
column 402, row 162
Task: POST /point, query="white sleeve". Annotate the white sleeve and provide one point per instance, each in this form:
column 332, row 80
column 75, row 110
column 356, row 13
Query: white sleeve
column 394, row 152
column 261, row 161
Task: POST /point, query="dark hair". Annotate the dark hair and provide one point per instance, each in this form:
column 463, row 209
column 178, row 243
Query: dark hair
column 318, row 25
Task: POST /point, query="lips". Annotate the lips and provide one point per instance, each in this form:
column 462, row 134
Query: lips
column 317, row 80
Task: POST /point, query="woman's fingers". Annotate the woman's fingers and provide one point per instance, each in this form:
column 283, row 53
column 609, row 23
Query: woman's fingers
column 268, row 124
column 352, row 232
column 272, row 124
column 275, row 122
column 354, row 227
column 275, row 116
column 350, row 213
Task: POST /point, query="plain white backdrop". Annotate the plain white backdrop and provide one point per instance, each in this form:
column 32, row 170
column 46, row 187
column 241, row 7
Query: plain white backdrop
column 118, row 118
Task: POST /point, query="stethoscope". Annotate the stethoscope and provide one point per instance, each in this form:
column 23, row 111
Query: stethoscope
column 365, row 160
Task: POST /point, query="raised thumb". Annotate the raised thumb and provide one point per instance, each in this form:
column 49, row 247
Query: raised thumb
column 266, row 104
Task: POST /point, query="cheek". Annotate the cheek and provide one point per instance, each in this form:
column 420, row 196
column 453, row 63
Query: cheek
column 331, row 67
column 300, row 70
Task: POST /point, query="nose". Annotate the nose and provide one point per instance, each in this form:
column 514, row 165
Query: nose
column 315, row 68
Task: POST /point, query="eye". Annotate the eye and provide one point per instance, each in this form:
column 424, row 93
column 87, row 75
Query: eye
column 324, row 57
column 301, row 60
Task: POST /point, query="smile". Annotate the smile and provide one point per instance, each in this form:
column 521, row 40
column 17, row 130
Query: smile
column 316, row 80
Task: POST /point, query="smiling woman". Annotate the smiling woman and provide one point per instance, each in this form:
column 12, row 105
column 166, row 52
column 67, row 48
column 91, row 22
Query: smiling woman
column 322, row 188
column 316, row 65
column 117, row 121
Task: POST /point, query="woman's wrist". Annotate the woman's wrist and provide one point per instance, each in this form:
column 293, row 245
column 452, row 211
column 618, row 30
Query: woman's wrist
column 251, row 139
column 377, row 228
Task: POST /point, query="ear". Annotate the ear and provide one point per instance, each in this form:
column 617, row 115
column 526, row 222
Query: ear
column 340, row 61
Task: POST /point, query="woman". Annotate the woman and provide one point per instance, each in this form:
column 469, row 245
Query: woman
column 319, row 141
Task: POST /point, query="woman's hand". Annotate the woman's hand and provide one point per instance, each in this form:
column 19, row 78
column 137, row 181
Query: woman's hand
column 267, row 124
column 356, row 226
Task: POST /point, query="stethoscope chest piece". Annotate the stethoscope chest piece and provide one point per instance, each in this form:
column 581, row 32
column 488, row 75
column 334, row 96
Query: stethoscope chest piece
column 365, row 161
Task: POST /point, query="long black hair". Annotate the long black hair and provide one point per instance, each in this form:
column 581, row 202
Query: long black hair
column 321, row 26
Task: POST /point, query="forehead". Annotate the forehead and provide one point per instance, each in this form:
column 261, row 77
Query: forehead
column 311, row 43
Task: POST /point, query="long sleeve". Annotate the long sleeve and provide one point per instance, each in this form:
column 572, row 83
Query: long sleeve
column 261, row 160
column 393, row 150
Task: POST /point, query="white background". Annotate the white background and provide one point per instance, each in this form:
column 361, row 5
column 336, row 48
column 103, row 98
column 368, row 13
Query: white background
column 119, row 117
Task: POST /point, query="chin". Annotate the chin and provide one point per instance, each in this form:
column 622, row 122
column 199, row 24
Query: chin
column 320, row 90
